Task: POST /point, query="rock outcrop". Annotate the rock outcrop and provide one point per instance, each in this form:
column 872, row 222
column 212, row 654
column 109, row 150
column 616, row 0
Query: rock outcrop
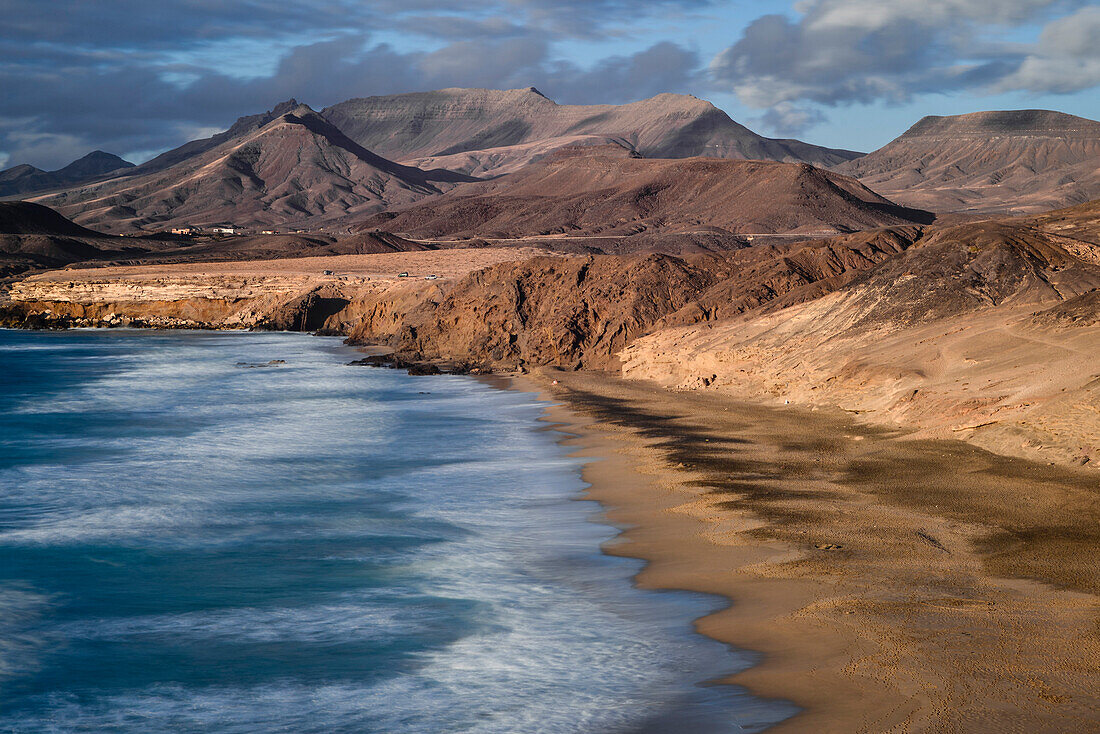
column 580, row 312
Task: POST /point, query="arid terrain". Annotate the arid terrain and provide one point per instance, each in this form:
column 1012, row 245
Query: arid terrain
column 488, row 131
column 859, row 395
column 295, row 167
column 25, row 179
column 1018, row 161
column 334, row 294
column 608, row 190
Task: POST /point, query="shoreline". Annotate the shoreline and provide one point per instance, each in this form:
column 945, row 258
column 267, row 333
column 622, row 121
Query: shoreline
column 869, row 612
column 887, row 583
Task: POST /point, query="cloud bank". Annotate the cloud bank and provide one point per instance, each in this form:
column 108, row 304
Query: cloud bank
column 135, row 77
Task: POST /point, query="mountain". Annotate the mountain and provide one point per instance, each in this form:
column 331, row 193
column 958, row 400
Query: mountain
column 286, row 166
column 241, row 127
column 26, row 179
column 1016, row 161
column 23, row 217
column 610, row 191
column 35, row 237
column 434, row 128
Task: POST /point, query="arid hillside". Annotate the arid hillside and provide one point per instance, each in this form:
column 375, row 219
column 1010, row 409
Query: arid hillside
column 297, row 167
column 34, row 237
column 608, row 190
column 1017, row 161
column 986, row 331
column 579, row 312
column 488, row 131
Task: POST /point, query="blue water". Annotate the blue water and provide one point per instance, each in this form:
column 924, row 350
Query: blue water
column 192, row 544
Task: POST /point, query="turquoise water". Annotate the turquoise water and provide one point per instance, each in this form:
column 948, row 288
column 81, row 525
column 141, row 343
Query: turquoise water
column 189, row 543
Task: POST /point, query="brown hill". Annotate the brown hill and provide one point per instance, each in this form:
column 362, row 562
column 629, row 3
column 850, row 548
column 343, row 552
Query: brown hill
column 33, row 237
column 595, row 193
column 1015, row 161
column 293, row 168
column 494, row 131
column 243, row 126
column 25, row 179
column 279, row 247
column 984, row 331
column 23, row 217
column 581, row 311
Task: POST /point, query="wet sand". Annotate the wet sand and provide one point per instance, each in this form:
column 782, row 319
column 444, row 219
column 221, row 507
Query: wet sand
column 890, row 584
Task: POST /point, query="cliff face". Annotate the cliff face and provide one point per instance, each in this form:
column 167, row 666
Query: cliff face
column 332, row 294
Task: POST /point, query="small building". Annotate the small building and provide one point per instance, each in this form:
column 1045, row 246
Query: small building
column 225, row 230
column 182, row 230
column 327, row 272
column 267, row 231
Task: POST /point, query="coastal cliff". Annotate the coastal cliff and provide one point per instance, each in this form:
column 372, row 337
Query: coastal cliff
column 981, row 331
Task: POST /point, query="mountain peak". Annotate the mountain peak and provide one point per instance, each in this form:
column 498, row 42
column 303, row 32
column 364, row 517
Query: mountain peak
column 95, row 163
column 289, row 105
column 1003, row 122
column 1020, row 161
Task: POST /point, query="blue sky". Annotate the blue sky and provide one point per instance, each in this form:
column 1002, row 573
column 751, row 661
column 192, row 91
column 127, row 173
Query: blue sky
column 136, row 77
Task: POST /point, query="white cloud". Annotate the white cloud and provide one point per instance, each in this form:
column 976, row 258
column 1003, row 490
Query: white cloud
column 1067, row 58
column 863, row 51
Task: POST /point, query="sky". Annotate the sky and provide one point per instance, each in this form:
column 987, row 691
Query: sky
column 136, row 77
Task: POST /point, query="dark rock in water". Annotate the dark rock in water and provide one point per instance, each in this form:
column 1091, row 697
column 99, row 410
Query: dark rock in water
column 254, row 365
column 374, row 360
column 423, row 369
column 417, row 367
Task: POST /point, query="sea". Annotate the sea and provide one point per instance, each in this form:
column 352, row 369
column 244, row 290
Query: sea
column 241, row 532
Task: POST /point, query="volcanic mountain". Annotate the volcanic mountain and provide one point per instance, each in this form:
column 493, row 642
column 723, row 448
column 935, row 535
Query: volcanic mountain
column 293, row 167
column 488, row 131
column 1016, row 161
column 26, row 179
column 610, row 191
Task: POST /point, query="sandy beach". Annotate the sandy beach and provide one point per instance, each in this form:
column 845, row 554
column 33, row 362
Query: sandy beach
column 889, row 584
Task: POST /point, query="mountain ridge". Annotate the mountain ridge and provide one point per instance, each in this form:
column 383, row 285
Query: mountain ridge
column 27, row 179
column 277, row 169
column 594, row 192
column 1000, row 161
column 445, row 122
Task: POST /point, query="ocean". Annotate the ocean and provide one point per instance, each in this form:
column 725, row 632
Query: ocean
column 239, row 532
